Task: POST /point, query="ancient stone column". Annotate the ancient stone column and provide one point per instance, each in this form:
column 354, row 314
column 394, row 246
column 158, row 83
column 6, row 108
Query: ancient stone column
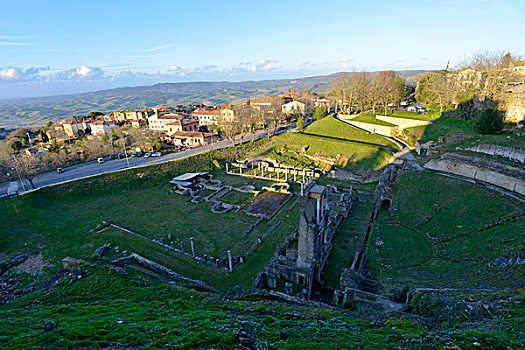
column 182, row 247
column 230, row 263
column 272, row 280
column 226, row 167
column 218, row 262
column 288, row 288
column 259, row 240
column 318, row 210
column 192, row 247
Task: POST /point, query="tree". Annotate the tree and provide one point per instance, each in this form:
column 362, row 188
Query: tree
column 386, row 85
column 319, row 113
column 43, row 136
column 300, row 123
column 228, row 129
column 489, row 121
column 339, row 91
column 361, row 87
column 15, row 145
column 94, row 114
column 28, row 167
column 435, row 88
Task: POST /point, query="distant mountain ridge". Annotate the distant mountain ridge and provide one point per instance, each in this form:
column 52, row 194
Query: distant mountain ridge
column 38, row 110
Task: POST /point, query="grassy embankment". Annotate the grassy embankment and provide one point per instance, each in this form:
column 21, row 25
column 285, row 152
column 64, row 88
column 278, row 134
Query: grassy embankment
column 59, row 221
column 286, row 148
column 107, row 310
column 437, row 235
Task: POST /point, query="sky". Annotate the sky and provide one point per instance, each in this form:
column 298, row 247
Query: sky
column 59, row 47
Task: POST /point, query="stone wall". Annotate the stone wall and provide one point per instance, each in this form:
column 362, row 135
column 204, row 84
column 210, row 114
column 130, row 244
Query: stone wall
column 403, row 123
column 384, row 130
column 515, row 154
column 515, row 110
column 492, row 172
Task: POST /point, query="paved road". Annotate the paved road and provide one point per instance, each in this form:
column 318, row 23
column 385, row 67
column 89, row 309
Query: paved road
column 84, row 170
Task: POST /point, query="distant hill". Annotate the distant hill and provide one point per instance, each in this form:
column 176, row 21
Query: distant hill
column 38, row 110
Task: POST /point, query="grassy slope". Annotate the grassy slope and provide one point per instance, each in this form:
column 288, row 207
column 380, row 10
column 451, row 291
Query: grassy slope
column 328, row 126
column 286, row 148
column 107, row 310
column 453, row 248
column 59, row 222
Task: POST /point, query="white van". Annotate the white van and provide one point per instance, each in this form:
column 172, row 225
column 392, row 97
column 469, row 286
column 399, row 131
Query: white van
column 100, row 160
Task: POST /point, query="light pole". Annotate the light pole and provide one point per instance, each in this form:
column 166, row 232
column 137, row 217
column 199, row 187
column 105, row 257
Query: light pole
column 19, row 178
column 125, row 152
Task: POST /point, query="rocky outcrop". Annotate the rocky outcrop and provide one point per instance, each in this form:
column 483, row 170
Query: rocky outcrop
column 71, row 263
column 483, row 169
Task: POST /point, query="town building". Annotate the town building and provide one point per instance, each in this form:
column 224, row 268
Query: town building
column 192, row 138
column 206, row 117
column 227, row 114
column 294, row 107
column 101, row 127
column 158, row 122
column 182, row 125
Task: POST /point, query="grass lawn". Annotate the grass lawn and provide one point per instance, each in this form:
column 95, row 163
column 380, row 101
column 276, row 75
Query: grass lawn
column 286, row 148
column 236, row 197
column 412, row 115
column 106, row 310
column 438, row 236
column 59, row 222
column 328, row 126
column 344, row 243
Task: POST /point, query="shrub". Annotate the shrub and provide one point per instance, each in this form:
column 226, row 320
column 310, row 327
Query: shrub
column 489, row 121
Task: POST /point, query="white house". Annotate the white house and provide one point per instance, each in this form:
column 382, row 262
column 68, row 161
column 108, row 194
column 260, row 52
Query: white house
column 101, row 127
column 294, row 107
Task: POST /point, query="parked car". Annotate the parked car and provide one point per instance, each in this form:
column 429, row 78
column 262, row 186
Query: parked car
column 133, row 155
column 112, row 156
column 147, row 155
column 120, row 156
column 100, row 160
column 60, row 170
column 139, row 154
column 156, row 154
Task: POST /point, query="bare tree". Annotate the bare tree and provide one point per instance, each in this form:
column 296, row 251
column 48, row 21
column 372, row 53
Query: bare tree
column 28, row 167
column 361, row 86
column 387, row 87
column 435, row 88
column 339, row 90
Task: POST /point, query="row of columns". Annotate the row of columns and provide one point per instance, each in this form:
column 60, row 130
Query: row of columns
column 217, row 261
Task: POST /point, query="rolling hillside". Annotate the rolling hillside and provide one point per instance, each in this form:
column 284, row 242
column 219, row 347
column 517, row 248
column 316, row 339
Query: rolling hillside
column 39, row 110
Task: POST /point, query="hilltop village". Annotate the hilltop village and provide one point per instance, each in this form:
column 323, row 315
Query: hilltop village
column 378, row 213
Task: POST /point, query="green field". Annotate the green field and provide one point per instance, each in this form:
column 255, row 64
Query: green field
column 106, row 310
column 328, row 126
column 60, row 221
column 286, row 148
column 344, row 243
column 437, row 235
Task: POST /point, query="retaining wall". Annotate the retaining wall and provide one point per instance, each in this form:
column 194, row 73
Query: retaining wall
column 515, row 154
column 403, row 123
column 507, row 177
column 375, row 128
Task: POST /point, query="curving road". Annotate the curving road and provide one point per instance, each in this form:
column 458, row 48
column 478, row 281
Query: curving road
column 93, row 168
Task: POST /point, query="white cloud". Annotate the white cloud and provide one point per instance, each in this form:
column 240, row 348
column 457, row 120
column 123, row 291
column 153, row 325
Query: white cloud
column 81, row 73
column 13, row 43
column 17, row 74
column 159, row 48
column 267, row 64
column 11, row 37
